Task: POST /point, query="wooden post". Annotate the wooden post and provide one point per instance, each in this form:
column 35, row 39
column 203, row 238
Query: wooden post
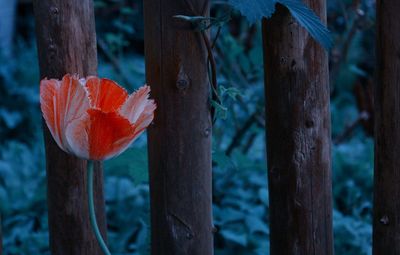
column 386, row 224
column 180, row 139
column 66, row 42
column 298, row 136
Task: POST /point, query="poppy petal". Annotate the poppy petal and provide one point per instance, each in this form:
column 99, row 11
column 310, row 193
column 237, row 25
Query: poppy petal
column 61, row 103
column 137, row 103
column 145, row 118
column 77, row 135
column 110, row 134
column 105, row 94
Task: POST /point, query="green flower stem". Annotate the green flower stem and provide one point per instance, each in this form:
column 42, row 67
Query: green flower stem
column 92, row 213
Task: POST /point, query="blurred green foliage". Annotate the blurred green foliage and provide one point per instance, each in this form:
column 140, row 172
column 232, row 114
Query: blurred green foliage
column 240, row 181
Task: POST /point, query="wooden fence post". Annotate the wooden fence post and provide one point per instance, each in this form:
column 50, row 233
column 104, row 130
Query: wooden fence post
column 180, row 139
column 298, row 136
column 386, row 224
column 66, row 42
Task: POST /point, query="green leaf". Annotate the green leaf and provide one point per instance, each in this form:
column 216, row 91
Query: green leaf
column 231, row 92
column 310, row 21
column 221, row 110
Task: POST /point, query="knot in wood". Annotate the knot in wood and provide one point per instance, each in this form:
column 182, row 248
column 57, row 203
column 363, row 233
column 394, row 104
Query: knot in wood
column 207, row 132
column 54, row 10
column 384, row 220
column 51, row 50
column 189, row 236
column 182, row 84
column 182, row 81
column 309, row 123
column 293, row 64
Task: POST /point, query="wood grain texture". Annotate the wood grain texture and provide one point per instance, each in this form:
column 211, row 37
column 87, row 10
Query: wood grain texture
column 66, row 41
column 298, row 136
column 180, row 139
column 386, row 224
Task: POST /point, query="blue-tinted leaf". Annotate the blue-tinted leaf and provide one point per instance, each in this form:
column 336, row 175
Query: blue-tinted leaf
column 132, row 163
column 309, row 20
column 11, row 118
column 234, row 236
column 221, row 110
column 255, row 224
column 254, row 10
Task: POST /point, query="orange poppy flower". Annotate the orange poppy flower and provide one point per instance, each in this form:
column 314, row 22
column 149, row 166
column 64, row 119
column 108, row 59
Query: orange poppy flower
column 94, row 118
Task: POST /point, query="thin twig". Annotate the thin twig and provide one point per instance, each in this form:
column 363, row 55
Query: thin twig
column 241, row 132
column 249, row 142
column 216, row 37
column 350, row 128
column 213, row 65
column 345, row 48
column 210, row 60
